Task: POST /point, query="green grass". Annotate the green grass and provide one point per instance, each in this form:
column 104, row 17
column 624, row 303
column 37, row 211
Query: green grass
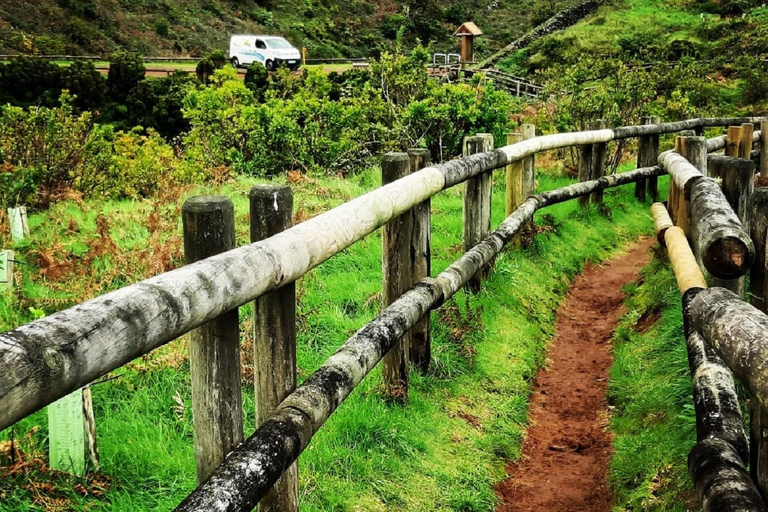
column 668, row 20
column 650, row 388
column 443, row 451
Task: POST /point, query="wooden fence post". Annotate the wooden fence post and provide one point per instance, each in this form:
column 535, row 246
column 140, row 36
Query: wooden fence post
column 738, row 176
column 6, row 269
column 477, row 205
column 529, row 163
column 648, row 156
column 274, row 329
column 745, row 146
column 764, row 149
column 421, row 350
column 214, row 350
column 694, row 149
column 599, row 151
column 397, row 268
column 17, row 218
column 585, row 168
column 514, row 185
column 733, row 141
column 758, row 231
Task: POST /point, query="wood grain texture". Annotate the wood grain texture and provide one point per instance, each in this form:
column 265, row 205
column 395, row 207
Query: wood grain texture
column 421, row 344
column 214, row 348
column 397, row 277
column 738, row 183
column 274, row 341
column 476, row 214
column 720, row 243
column 758, row 231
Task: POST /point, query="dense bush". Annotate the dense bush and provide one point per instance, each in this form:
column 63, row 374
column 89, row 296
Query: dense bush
column 316, row 123
column 157, row 103
column 48, row 152
column 84, row 81
column 752, row 72
column 28, row 81
column 126, row 70
column 40, row 147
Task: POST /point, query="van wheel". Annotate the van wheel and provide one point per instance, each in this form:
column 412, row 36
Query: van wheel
column 235, row 62
column 270, row 65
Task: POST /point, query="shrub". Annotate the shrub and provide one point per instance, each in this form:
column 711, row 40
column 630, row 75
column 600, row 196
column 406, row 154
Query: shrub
column 752, row 72
column 26, row 81
column 257, row 80
column 162, row 27
column 126, row 70
column 43, row 145
column 205, row 69
column 219, row 58
column 158, row 104
column 84, row 81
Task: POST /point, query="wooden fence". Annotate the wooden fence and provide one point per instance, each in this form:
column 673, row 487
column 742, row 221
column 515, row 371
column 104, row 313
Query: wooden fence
column 54, row 356
column 717, row 233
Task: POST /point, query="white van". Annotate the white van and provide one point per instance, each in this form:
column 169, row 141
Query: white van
column 270, row 51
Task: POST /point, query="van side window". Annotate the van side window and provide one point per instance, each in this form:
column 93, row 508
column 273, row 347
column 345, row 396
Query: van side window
column 261, row 44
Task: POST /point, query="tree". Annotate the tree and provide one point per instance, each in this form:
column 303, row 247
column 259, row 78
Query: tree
column 86, row 84
column 126, row 70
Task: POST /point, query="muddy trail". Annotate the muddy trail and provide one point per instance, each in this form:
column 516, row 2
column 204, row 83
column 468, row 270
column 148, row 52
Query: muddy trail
column 567, row 446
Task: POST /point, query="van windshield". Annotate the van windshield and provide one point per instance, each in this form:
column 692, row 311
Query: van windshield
column 279, row 44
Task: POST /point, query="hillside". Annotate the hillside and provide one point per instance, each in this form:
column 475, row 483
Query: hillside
column 329, row 28
column 650, row 31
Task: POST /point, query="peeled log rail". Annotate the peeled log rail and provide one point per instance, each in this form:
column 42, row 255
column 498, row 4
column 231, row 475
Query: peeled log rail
column 718, row 143
column 739, row 334
column 687, row 271
column 717, row 463
column 721, row 479
column 661, row 221
column 241, row 481
column 51, row 357
column 720, row 242
column 718, row 414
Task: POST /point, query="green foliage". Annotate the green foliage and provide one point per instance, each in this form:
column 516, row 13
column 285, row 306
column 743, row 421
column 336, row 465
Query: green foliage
column 126, row 70
column 219, row 58
column 752, row 72
column 257, row 80
column 48, row 151
column 162, row 27
column 157, row 103
column 86, row 84
column 331, row 124
column 204, row 70
column 40, row 147
column 26, row 81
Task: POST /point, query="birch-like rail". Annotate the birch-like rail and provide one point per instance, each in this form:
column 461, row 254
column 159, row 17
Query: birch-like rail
column 717, row 464
column 739, row 334
column 248, row 472
column 720, row 242
column 51, row 357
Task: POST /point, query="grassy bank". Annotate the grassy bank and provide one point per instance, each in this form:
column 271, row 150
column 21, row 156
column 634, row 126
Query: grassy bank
column 443, row 451
column 650, row 388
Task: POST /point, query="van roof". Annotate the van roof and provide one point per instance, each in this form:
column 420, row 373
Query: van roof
column 258, row 35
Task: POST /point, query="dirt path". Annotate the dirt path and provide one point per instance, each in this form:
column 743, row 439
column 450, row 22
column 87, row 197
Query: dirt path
column 567, row 447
